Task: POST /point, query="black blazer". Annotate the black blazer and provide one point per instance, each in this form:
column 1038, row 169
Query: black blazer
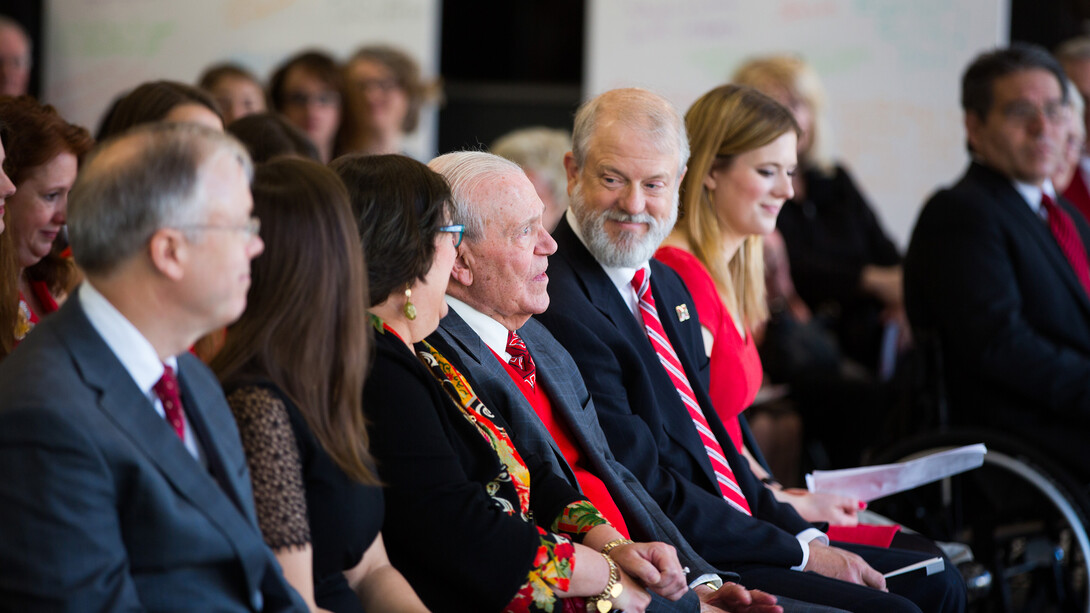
column 986, row 275
column 103, row 508
column 648, row 428
column 443, row 531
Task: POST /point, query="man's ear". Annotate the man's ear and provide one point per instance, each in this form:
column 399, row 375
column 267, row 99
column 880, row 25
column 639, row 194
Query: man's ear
column 463, row 267
column 973, row 126
column 572, row 169
column 169, row 252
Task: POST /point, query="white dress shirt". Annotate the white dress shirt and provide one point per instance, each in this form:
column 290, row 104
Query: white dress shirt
column 134, row 352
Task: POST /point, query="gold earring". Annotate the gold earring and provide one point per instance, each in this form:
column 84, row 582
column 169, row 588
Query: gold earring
column 409, row 308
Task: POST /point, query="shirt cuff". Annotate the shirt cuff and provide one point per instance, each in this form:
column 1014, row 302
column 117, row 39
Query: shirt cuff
column 707, row 578
column 804, row 538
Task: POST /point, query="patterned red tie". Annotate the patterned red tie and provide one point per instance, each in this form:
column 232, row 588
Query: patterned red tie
column 728, row 484
column 520, row 358
column 1063, row 229
column 167, row 389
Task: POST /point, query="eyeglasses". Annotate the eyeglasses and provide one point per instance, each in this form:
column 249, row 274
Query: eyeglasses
column 1024, row 112
column 251, row 228
column 382, row 85
column 458, row 230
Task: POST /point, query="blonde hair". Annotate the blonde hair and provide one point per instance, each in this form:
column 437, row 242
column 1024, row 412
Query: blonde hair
column 787, row 73
column 722, row 124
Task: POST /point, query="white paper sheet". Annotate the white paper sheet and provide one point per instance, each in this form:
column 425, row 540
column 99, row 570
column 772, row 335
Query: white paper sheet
column 872, row 482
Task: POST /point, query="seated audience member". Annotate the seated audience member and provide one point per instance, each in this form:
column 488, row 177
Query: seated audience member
column 286, row 372
column 9, row 271
column 161, row 101
column 43, row 155
column 125, row 486
column 496, row 285
column 309, row 90
column 473, row 522
column 634, row 332
column 15, row 58
column 997, row 265
column 540, row 153
column 236, row 91
column 268, row 135
column 1074, row 57
column 1072, row 142
column 843, row 264
column 739, row 176
column 385, row 95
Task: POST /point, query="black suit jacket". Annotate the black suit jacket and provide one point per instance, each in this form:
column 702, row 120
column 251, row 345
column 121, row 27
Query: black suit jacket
column 648, row 428
column 443, row 530
column 102, row 507
column 986, row 275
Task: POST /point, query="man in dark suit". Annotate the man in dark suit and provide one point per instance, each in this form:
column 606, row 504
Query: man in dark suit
column 497, row 283
column 996, row 267
column 628, row 158
column 125, row 486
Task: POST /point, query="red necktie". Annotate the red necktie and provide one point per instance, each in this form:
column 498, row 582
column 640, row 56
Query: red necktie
column 728, row 484
column 167, row 389
column 520, row 358
column 1063, row 229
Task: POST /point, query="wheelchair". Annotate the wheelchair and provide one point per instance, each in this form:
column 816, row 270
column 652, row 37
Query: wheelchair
column 1024, row 516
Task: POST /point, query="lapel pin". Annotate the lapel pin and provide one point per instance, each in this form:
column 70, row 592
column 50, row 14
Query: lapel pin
column 682, row 312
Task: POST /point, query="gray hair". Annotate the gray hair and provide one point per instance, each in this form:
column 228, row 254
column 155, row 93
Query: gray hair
column 635, row 107
column 145, row 179
column 465, row 172
column 541, row 150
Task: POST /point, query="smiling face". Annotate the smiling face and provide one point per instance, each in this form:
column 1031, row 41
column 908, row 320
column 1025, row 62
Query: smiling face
column 1022, row 132
column 379, row 101
column 625, row 196
column 748, row 193
column 39, row 208
column 507, row 263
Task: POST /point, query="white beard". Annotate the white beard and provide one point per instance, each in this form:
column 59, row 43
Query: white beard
column 627, row 249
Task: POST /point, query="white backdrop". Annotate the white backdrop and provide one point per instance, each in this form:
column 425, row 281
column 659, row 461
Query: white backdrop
column 96, row 49
column 892, row 69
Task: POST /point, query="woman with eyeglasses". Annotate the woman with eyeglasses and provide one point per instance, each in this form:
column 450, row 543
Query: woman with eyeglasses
column 473, row 524
column 293, row 366
column 309, row 90
column 385, row 94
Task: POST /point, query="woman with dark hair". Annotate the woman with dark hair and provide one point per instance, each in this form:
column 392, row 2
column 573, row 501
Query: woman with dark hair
column 268, row 135
column 9, row 282
column 236, row 91
column 385, row 94
column 43, row 155
column 473, row 524
column 309, row 90
column 161, row 101
column 293, row 366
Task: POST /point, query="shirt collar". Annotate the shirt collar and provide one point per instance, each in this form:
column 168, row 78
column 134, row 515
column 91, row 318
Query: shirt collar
column 132, row 349
column 492, row 332
column 1032, row 193
column 620, row 276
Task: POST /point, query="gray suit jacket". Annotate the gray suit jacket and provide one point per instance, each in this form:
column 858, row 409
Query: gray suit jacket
column 102, row 507
column 560, row 378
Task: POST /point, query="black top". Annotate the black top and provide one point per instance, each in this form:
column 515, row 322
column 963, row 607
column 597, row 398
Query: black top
column 830, row 237
column 300, row 493
column 445, row 532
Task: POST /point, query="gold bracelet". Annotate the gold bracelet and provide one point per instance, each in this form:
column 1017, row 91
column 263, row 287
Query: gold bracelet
column 615, row 543
column 603, row 603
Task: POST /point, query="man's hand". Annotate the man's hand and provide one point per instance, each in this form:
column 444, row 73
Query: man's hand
column 844, row 565
column 837, row 510
column 733, row 598
column 655, row 565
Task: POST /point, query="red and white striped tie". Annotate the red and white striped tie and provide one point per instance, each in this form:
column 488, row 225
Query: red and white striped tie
column 728, row 484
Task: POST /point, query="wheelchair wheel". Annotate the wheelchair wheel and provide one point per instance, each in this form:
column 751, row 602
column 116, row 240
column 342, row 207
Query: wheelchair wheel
column 1024, row 517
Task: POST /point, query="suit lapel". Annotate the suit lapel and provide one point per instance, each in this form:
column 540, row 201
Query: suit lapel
column 1021, row 216
column 604, row 296
column 131, row 412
